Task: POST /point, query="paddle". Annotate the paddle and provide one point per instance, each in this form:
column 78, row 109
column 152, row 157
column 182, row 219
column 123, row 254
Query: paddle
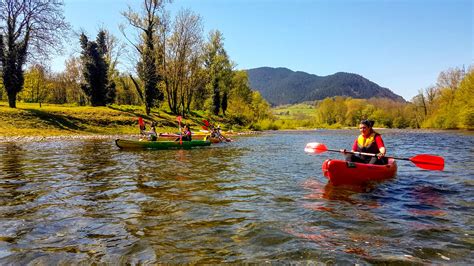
column 423, row 161
column 180, row 133
column 219, row 134
column 141, row 125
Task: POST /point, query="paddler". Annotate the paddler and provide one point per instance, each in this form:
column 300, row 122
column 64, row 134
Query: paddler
column 152, row 135
column 186, row 134
column 368, row 141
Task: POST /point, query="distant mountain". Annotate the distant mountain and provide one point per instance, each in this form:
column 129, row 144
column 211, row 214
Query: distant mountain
column 284, row 86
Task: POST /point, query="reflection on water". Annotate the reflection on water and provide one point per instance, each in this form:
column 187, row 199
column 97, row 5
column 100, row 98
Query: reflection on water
column 12, row 160
column 259, row 199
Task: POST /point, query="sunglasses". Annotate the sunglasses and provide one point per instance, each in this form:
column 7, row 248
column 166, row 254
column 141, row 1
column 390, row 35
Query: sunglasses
column 362, row 127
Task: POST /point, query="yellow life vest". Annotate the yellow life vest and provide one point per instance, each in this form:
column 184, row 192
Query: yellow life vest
column 363, row 142
column 368, row 144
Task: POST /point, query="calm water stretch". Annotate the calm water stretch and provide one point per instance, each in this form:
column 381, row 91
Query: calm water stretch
column 258, row 199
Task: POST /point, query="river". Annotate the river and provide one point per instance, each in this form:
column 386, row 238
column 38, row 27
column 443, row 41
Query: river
column 259, row 199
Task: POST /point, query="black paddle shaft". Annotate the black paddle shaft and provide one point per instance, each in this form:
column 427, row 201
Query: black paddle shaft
column 368, row 154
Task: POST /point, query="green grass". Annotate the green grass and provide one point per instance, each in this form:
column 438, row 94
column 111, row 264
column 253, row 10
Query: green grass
column 28, row 119
column 295, row 116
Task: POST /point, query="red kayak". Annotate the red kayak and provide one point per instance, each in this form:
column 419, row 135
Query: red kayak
column 349, row 173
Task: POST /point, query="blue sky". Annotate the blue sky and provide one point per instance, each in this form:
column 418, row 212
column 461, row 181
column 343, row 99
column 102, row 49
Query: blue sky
column 399, row 44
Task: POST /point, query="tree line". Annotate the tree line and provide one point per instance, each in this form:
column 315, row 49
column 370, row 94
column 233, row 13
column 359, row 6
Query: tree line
column 447, row 105
column 175, row 66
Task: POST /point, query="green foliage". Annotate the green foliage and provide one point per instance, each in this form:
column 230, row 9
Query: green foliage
column 241, row 87
column 224, row 102
column 126, row 92
column 219, row 67
column 216, row 97
column 465, row 101
column 450, row 103
column 35, row 88
column 265, row 124
column 296, row 116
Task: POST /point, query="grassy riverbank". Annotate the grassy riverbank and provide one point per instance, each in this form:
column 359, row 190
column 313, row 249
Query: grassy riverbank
column 29, row 119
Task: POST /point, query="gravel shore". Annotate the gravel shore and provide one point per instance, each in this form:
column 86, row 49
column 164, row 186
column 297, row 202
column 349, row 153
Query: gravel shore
column 62, row 138
column 90, row 137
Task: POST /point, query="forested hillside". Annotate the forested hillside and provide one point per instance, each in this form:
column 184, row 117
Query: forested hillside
column 283, row 86
column 447, row 105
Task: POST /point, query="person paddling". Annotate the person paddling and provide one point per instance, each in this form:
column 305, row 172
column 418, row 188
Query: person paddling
column 152, row 135
column 186, row 134
column 216, row 133
column 141, row 125
column 368, row 141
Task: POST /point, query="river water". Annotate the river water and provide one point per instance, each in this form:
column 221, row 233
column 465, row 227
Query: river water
column 256, row 200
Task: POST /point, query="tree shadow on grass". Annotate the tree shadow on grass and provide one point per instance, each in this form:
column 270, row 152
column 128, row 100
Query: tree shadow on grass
column 163, row 122
column 58, row 121
column 132, row 112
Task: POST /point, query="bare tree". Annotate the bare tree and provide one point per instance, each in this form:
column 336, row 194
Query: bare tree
column 183, row 58
column 115, row 49
column 147, row 24
column 449, row 81
column 28, row 28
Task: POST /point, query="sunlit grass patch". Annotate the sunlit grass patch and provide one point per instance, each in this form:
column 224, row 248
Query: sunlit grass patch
column 29, row 119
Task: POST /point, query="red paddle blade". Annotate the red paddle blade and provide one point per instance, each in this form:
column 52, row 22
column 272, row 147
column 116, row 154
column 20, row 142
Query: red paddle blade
column 178, row 118
column 206, row 122
column 314, row 147
column 428, row 162
column 205, row 128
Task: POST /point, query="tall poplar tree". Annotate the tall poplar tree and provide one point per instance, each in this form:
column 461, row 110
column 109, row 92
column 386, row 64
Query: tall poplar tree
column 95, row 71
column 219, row 68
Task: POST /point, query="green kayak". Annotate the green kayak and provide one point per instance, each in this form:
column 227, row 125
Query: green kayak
column 159, row 145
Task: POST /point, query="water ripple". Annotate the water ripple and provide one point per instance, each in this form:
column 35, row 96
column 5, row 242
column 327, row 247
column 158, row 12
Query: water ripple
column 257, row 200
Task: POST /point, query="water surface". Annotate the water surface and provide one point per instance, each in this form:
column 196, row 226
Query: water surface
column 258, row 199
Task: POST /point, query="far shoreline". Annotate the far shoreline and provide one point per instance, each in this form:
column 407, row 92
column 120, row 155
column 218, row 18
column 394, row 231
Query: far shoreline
column 40, row 138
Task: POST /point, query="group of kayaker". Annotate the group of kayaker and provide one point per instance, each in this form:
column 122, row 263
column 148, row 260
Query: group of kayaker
column 152, row 135
column 368, row 141
column 217, row 134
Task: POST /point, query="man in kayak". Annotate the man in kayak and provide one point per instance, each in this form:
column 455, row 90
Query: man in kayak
column 368, row 141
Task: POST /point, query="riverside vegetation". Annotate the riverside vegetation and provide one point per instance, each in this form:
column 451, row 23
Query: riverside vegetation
column 448, row 105
column 177, row 72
